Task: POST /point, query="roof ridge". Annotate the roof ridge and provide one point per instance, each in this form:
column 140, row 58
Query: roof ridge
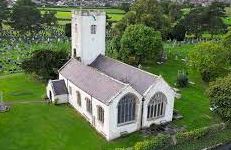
column 154, row 75
column 101, row 73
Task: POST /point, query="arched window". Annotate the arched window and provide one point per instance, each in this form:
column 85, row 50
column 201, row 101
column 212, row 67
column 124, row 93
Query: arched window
column 78, row 98
column 100, row 113
column 88, row 105
column 93, row 29
column 127, row 109
column 156, row 106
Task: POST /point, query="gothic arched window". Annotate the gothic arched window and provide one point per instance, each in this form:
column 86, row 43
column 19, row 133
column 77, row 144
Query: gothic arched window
column 93, row 29
column 88, row 105
column 78, row 98
column 127, row 109
column 156, row 106
column 100, row 113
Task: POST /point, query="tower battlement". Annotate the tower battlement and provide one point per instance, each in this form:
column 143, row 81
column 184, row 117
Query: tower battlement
column 88, row 12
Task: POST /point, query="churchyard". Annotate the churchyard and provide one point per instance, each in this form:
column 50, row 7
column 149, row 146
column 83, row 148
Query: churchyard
column 52, row 123
column 31, row 123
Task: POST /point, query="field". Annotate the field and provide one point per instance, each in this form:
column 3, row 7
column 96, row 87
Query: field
column 64, row 13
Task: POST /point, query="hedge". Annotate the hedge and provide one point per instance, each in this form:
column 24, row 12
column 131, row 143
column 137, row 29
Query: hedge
column 162, row 141
column 153, row 144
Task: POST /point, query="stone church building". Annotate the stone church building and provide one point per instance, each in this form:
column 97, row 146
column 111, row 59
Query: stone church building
column 114, row 97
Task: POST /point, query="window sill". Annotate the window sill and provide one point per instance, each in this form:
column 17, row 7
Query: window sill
column 151, row 119
column 126, row 123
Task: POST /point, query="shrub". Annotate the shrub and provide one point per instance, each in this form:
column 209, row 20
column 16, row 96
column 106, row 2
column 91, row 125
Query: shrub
column 182, row 79
column 219, row 93
column 155, row 143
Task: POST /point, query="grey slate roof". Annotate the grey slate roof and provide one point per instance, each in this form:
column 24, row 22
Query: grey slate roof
column 90, row 80
column 59, row 87
column 140, row 80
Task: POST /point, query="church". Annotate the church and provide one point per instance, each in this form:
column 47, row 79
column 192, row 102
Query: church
column 114, row 97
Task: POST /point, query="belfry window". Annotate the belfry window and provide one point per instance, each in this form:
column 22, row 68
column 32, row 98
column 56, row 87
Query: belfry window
column 93, row 29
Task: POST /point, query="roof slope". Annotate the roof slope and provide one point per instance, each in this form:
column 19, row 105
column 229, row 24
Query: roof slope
column 140, row 80
column 90, row 80
column 59, row 87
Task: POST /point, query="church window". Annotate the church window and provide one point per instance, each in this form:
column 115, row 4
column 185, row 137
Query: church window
column 88, row 105
column 156, row 106
column 100, row 114
column 93, row 29
column 70, row 90
column 78, row 98
column 127, row 109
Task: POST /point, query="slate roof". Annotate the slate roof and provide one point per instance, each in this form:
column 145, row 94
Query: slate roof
column 59, row 87
column 90, row 80
column 140, row 80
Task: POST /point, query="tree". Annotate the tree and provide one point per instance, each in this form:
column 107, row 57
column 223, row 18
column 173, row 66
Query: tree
column 25, row 16
column 3, row 11
column 206, row 19
column 210, row 59
column 219, row 93
column 149, row 12
column 140, row 43
column 49, row 18
column 174, row 11
column 45, row 63
column 125, row 6
column 178, row 31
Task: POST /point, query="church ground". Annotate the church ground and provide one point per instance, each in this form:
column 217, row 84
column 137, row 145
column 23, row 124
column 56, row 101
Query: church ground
column 46, row 126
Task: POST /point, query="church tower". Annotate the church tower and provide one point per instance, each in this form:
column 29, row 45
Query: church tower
column 88, row 35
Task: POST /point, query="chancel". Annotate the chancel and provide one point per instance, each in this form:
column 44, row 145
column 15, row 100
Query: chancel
column 114, row 97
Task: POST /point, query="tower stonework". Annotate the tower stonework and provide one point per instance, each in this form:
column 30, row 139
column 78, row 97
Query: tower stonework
column 88, row 35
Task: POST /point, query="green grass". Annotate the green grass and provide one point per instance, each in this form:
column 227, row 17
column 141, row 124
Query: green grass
column 21, row 87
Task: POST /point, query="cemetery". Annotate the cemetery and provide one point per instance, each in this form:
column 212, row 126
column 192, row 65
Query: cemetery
column 16, row 47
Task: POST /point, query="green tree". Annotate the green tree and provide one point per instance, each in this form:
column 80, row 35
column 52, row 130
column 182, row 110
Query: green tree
column 49, row 18
column 25, row 16
column 3, row 11
column 45, row 63
column 140, row 43
column 210, row 59
column 174, row 11
column 219, row 93
column 125, row 6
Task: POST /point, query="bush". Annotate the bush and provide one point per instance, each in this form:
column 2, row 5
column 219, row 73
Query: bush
column 219, row 93
column 156, row 143
column 182, row 79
